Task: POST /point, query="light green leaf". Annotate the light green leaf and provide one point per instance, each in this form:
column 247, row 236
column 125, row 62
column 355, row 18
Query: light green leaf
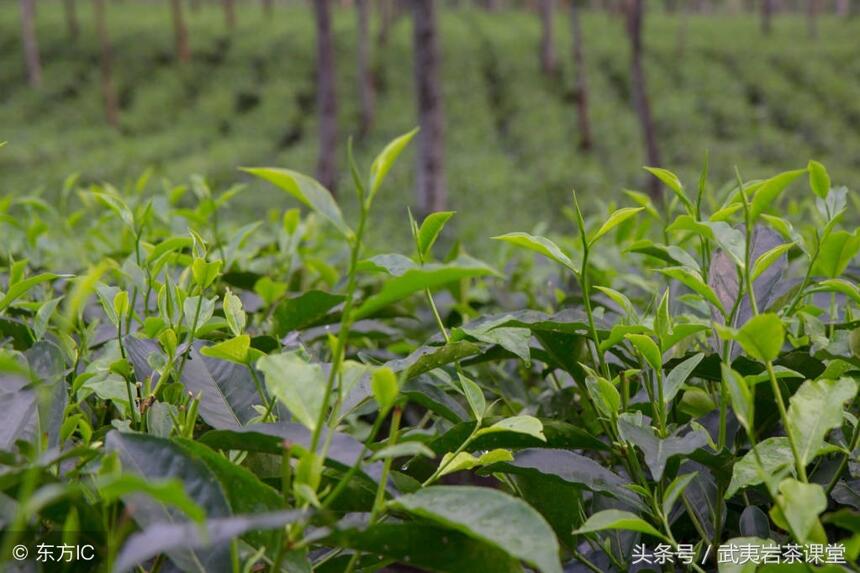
column 385, row 388
column 672, row 182
column 523, row 424
column 767, row 191
column 383, row 162
column 761, row 337
column 802, row 503
column 474, row 396
column 233, row 350
column 694, row 281
column 618, row 298
column 648, row 348
column 605, row 395
column 308, row 191
column 22, row 287
column 234, row 313
column 814, row 410
column 403, row 449
column 414, row 280
column 743, row 404
column 617, row 519
column 491, row 516
column 299, row 384
column 850, row 290
column 819, row 179
column 678, row 376
column 768, row 258
column 204, row 272
column 430, row 229
column 615, row 219
column 674, row 491
column 836, row 252
column 775, row 454
column 168, row 491
column 540, row 245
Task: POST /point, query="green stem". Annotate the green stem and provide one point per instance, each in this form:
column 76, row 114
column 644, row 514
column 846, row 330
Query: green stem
column 855, row 441
column 379, row 500
column 801, row 467
column 345, row 323
column 190, row 340
column 586, row 299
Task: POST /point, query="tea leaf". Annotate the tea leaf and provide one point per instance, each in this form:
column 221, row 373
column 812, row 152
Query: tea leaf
column 814, row 410
column 523, row 533
column 309, row 192
column 615, row 219
column 540, row 245
column 298, row 384
column 430, row 229
column 522, row 424
column 819, row 179
column 617, row 519
column 383, row 162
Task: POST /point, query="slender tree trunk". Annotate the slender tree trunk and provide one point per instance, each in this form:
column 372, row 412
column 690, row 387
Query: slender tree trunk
column 268, row 8
column 72, row 27
column 326, row 97
column 180, row 32
column 386, row 17
column 812, row 18
column 766, row 16
column 108, row 90
column 365, row 79
column 548, row 62
column 230, row 14
column 430, row 175
column 31, row 44
column 635, row 15
column 843, row 8
column 580, row 77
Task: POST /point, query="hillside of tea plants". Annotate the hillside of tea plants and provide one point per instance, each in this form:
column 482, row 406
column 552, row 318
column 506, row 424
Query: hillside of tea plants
column 248, row 98
column 668, row 387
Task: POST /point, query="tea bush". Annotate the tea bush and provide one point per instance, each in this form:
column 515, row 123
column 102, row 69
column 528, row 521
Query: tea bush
column 666, row 382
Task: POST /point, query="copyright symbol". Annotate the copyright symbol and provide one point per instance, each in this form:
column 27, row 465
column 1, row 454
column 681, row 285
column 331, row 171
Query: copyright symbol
column 19, row 552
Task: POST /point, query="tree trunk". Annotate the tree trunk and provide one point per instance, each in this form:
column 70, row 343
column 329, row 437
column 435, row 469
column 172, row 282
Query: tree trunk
column 108, row 91
column 31, row 44
column 812, row 18
column 326, row 97
column 547, row 45
column 843, row 8
column 268, row 8
column 386, row 17
column 72, row 27
column 230, row 14
column 430, row 174
column 635, row 15
column 365, row 79
column 580, row 78
column 766, row 15
column 180, row 32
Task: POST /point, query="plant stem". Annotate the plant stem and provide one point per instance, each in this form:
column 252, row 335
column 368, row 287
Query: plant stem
column 855, row 441
column 345, row 323
column 586, row 299
column 801, row 467
column 190, row 341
